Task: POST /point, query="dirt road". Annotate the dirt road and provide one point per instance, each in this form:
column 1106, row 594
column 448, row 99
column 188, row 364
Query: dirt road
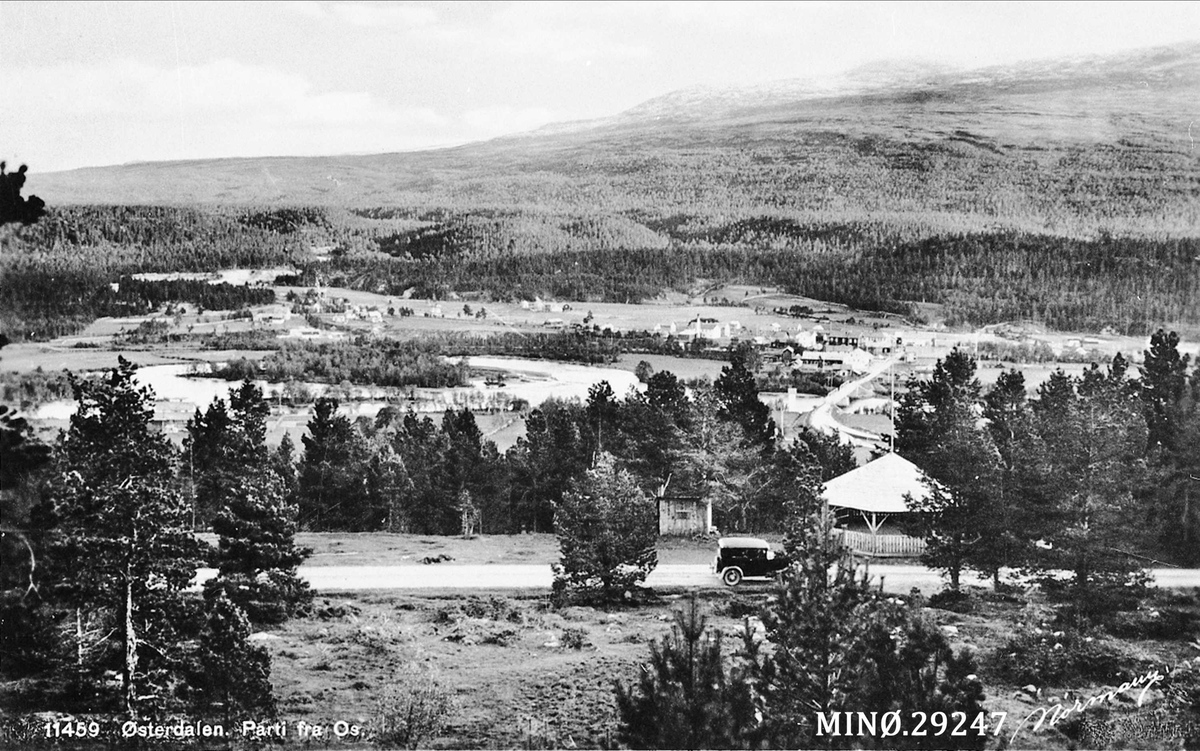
column 895, row 578
column 821, row 418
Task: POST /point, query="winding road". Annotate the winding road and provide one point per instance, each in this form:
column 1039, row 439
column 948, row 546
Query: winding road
column 822, row 418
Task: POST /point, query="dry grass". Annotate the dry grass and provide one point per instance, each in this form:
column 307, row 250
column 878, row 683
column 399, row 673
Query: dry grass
column 532, row 688
column 515, row 681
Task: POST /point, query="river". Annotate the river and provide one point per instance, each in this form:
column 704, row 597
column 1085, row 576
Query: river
column 177, row 389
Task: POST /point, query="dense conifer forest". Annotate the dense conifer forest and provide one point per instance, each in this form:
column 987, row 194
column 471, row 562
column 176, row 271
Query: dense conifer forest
column 59, row 275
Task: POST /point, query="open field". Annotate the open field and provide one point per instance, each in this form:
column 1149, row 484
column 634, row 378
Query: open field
column 514, row 679
column 502, row 661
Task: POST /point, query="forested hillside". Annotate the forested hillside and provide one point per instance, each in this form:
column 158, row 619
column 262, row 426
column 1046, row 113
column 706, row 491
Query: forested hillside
column 1063, row 192
column 56, row 277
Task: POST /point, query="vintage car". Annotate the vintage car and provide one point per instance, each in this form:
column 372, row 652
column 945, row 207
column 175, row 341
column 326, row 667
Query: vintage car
column 741, row 557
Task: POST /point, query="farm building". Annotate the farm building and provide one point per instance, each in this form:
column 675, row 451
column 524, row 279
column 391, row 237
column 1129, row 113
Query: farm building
column 840, row 340
column 310, row 333
column 683, row 516
column 879, row 345
column 806, row 339
column 838, row 362
column 876, row 492
column 272, row 314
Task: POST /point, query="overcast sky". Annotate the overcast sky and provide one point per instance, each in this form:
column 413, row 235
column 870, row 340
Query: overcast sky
column 99, row 83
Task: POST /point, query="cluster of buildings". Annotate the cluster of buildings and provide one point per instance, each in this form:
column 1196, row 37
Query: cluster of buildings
column 813, row 349
column 538, row 305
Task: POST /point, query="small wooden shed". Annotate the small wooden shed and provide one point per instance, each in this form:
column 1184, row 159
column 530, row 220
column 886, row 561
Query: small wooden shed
column 683, row 516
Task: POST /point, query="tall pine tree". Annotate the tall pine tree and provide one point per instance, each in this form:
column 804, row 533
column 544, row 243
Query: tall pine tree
column 838, row 645
column 119, row 544
column 606, row 529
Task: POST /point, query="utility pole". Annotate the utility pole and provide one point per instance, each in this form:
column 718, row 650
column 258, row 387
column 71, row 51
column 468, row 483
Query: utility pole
column 892, row 405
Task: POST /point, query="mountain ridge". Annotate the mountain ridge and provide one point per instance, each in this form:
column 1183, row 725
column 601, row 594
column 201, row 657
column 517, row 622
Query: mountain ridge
column 1068, row 136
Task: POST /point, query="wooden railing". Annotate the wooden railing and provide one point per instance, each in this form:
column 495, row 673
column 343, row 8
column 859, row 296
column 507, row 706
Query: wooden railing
column 882, row 546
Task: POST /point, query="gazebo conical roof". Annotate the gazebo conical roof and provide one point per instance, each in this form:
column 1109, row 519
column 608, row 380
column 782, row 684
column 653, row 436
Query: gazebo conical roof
column 878, row 487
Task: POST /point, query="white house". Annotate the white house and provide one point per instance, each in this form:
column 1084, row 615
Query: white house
column 272, row 314
column 854, row 361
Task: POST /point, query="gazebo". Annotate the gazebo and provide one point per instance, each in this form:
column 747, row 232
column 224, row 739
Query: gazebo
column 877, row 490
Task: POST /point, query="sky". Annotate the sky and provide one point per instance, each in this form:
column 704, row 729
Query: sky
column 101, row 83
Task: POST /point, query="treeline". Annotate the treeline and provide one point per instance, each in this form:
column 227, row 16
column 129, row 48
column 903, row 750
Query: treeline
column 403, row 472
column 55, row 274
column 1094, row 475
column 142, row 295
column 28, row 390
column 368, row 362
column 486, row 234
column 574, row 345
column 110, row 492
column 1129, row 284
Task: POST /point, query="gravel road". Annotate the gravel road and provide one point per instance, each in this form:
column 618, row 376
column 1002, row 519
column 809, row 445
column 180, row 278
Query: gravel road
column 899, row 579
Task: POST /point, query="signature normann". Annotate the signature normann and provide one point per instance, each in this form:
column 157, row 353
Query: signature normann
column 1052, row 715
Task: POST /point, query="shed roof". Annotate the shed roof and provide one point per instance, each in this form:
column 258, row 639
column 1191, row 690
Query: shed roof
column 878, row 486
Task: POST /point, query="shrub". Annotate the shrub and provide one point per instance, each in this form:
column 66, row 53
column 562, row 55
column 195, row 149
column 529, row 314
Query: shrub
column 501, row 637
column 956, row 601
column 493, row 608
column 743, row 607
column 1101, row 603
column 234, row 676
column 411, row 711
column 1039, row 656
column 1166, row 623
column 575, row 638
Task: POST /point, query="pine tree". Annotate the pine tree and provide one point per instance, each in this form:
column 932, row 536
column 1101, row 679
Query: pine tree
column 653, row 430
column 1097, row 430
column 719, row 465
column 603, row 416
column 1173, row 428
column 283, row 464
column 1163, row 388
column 222, row 444
column 257, row 555
column 738, row 395
column 544, row 462
column 118, row 540
column 938, row 430
column 1019, row 504
column 332, row 484
column 606, row 529
column 837, row 645
column 686, row 697
column 959, row 517
column 26, row 640
column 836, row 458
column 207, row 463
column 930, row 407
column 426, row 494
column 471, row 464
column 811, row 618
column 234, row 676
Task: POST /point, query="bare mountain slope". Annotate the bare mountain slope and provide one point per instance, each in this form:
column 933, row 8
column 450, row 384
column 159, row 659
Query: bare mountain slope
column 1064, row 145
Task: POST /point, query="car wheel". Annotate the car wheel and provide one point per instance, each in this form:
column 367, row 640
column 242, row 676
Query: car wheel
column 732, row 576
